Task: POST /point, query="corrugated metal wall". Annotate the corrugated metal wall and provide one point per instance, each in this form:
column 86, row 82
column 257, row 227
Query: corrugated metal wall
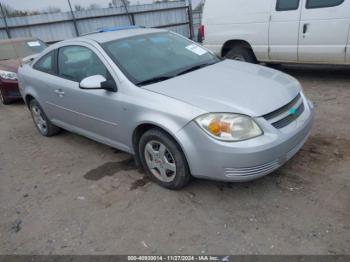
column 60, row 26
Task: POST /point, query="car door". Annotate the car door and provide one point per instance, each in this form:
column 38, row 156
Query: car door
column 324, row 30
column 348, row 42
column 348, row 49
column 43, row 75
column 93, row 113
column 284, row 30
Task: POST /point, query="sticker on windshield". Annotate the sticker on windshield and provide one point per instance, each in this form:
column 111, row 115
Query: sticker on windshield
column 196, row 49
column 33, row 43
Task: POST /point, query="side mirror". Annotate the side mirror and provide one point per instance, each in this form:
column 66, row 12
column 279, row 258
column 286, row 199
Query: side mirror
column 98, row 82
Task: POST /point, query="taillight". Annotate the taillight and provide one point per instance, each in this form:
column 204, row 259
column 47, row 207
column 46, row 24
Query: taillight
column 201, row 33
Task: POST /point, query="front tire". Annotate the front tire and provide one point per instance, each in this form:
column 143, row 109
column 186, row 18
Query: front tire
column 42, row 123
column 243, row 54
column 163, row 160
column 3, row 99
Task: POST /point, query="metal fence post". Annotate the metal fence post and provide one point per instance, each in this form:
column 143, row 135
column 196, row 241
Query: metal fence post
column 5, row 21
column 131, row 17
column 73, row 17
column 190, row 18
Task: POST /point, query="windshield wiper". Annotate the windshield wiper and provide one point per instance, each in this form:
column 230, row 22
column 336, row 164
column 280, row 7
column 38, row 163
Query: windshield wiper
column 194, row 68
column 166, row 77
column 154, row 80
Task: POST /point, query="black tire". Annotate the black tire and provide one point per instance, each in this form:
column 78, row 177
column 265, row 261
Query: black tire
column 182, row 175
column 3, row 99
column 241, row 53
column 50, row 130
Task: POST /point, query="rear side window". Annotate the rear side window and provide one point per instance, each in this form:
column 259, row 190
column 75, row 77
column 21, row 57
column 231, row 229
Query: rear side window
column 287, row 5
column 46, row 63
column 77, row 62
column 322, row 3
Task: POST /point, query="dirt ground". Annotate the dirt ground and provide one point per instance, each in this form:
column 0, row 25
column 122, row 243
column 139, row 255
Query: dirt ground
column 71, row 195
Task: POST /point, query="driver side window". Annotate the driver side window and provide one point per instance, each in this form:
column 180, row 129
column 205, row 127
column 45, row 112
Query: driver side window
column 77, row 62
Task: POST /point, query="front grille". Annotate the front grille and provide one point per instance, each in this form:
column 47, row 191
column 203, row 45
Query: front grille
column 285, row 115
column 290, row 118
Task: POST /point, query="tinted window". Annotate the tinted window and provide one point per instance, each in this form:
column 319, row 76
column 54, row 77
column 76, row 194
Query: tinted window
column 76, row 63
column 46, row 63
column 149, row 56
column 287, row 5
column 322, row 3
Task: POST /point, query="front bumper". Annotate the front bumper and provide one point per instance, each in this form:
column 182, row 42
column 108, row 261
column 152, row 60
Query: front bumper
column 247, row 160
column 10, row 89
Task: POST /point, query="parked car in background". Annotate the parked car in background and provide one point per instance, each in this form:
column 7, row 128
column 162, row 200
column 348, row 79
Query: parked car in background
column 174, row 105
column 278, row 31
column 11, row 53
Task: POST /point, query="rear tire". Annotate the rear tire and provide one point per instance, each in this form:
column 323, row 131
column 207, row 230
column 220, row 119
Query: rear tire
column 163, row 160
column 42, row 123
column 243, row 54
column 3, row 99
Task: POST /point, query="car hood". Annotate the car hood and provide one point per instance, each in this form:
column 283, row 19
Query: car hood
column 10, row 65
column 232, row 86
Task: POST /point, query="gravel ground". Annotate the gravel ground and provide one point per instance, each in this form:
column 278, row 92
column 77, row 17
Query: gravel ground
column 71, row 195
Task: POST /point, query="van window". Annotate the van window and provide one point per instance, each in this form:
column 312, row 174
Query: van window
column 322, row 3
column 287, row 5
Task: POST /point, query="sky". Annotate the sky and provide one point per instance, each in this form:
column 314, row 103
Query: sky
column 63, row 4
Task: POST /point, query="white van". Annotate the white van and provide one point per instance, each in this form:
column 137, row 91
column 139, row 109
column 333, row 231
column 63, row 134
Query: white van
column 278, row 31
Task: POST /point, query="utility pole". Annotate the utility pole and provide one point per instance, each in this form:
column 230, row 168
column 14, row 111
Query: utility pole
column 73, row 17
column 190, row 18
column 5, row 21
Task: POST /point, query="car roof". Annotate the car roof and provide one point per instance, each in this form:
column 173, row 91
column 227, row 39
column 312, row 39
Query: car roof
column 17, row 40
column 119, row 34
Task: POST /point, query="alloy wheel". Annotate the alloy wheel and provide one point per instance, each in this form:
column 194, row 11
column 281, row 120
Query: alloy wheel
column 39, row 120
column 239, row 58
column 2, row 97
column 160, row 161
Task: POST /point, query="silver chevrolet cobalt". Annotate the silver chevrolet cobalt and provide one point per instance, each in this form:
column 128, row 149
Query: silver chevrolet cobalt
column 174, row 105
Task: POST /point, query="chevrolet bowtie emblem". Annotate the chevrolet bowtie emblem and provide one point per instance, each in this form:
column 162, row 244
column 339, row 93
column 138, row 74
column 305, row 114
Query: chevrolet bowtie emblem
column 292, row 111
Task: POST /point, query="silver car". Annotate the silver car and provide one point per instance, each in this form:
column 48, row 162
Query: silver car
column 171, row 103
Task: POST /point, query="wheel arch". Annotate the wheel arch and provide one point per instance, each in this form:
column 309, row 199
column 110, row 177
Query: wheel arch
column 228, row 45
column 28, row 98
column 142, row 128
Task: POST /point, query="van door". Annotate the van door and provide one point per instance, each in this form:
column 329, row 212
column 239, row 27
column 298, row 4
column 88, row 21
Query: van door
column 348, row 50
column 284, row 30
column 324, row 29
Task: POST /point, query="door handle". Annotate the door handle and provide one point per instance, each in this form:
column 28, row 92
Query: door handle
column 305, row 28
column 59, row 92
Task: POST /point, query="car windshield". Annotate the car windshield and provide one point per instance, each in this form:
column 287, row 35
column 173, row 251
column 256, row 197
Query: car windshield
column 156, row 57
column 17, row 49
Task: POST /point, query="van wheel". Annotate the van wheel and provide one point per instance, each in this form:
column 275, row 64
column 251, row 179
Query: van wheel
column 3, row 99
column 241, row 54
column 163, row 160
column 42, row 123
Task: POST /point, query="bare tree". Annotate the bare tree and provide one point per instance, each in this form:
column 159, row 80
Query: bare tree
column 118, row 3
column 51, row 10
column 79, row 8
column 93, row 7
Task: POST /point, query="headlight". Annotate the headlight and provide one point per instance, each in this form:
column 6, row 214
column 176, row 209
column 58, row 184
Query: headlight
column 229, row 127
column 8, row 75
